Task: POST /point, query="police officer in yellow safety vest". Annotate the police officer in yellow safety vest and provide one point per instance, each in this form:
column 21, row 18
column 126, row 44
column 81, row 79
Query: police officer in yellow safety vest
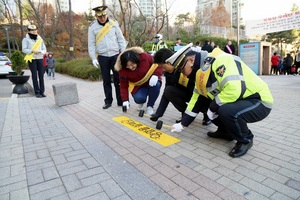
column 159, row 43
column 238, row 97
column 105, row 43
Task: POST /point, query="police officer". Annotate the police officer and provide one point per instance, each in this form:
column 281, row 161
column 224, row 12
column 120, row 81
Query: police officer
column 238, row 96
column 105, row 42
column 180, row 82
column 159, row 43
column 34, row 48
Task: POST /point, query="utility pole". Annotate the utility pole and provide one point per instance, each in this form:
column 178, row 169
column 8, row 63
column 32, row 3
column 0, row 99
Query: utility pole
column 7, row 38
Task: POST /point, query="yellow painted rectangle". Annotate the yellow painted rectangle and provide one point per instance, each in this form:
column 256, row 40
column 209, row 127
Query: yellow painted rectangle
column 146, row 131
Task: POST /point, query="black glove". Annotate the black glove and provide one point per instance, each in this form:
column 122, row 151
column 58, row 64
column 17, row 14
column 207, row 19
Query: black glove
column 154, row 117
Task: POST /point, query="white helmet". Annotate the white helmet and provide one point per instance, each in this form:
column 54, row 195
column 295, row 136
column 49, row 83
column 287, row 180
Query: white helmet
column 159, row 36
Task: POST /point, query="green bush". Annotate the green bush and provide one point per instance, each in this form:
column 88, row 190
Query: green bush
column 80, row 68
column 18, row 62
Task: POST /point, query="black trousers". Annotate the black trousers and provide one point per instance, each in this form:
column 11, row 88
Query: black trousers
column 107, row 65
column 37, row 75
column 233, row 118
column 177, row 96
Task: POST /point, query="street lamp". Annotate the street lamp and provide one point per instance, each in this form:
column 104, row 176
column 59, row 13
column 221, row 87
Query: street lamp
column 7, row 39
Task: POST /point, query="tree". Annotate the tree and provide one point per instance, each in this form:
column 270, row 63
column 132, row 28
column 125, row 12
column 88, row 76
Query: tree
column 220, row 17
column 279, row 38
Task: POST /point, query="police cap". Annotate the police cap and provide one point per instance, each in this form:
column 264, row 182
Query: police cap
column 31, row 27
column 177, row 58
column 100, row 11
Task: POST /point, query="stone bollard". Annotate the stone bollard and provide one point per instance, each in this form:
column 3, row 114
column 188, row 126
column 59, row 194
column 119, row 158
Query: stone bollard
column 65, row 93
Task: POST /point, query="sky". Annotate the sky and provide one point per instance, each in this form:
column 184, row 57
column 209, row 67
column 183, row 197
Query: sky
column 252, row 9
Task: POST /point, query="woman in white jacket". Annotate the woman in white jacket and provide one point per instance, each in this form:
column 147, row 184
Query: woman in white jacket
column 34, row 48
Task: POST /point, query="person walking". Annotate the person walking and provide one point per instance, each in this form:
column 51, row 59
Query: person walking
column 35, row 49
column 51, row 65
column 105, row 43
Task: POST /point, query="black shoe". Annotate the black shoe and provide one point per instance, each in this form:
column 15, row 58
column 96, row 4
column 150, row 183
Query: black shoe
column 240, row 149
column 154, row 117
column 43, row 95
column 38, row 96
column 218, row 134
column 206, row 122
column 106, row 106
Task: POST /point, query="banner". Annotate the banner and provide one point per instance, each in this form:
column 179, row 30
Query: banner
column 279, row 23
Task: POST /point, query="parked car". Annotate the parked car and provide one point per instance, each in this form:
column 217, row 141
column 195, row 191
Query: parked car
column 5, row 65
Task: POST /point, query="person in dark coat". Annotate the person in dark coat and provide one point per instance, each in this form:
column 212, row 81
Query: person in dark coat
column 207, row 47
column 229, row 48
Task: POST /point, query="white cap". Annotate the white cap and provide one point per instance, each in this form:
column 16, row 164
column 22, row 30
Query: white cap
column 179, row 56
column 31, row 27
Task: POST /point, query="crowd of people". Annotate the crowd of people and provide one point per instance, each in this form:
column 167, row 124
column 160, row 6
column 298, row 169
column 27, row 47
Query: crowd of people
column 289, row 65
column 198, row 78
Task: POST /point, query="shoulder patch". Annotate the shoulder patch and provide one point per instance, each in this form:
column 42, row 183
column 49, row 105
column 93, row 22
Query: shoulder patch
column 92, row 22
column 209, row 60
column 221, row 70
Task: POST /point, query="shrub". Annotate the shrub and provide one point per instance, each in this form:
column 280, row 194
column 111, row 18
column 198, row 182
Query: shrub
column 80, row 68
column 18, row 62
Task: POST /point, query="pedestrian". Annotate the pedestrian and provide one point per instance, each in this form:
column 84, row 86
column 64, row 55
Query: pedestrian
column 180, row 83
column 207, row 47
column 178, row 42
column 105, row 39
column 159, row 43
column 45, row 62
column 297, row 60
column 197, row 47
column 51, row 65
column 274, row 63
column 288, row 63
column 34, row 48
column 238, row 97
column 140, row 77
column 229, row 48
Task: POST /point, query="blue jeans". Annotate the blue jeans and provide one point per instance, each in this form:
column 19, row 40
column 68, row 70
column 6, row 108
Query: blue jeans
column 141, row 95
column 51, row 71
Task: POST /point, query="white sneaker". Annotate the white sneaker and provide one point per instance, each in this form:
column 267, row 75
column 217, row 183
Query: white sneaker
column 149, row 110
column 140, row 106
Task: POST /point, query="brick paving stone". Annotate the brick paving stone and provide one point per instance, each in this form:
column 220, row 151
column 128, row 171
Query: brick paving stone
column 93, row 157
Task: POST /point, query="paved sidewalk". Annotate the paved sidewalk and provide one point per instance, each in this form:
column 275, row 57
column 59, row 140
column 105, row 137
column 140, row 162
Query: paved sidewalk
column 79, row 152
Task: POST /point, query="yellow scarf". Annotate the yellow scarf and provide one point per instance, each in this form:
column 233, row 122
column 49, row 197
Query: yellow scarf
column 37, row 44
column 183, row 80
column 100, row 35
column 144, row 79
column 202, row 77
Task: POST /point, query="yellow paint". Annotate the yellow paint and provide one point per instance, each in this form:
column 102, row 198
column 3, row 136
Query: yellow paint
column 146, row 131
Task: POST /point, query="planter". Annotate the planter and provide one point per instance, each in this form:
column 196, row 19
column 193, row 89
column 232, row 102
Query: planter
column 19, row 82
column 15, row 73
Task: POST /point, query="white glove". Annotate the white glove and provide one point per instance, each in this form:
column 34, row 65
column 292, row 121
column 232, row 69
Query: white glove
column 153, row 80
column 211, row 115
column 126, row 103
column 96, row 63
column 177, row 127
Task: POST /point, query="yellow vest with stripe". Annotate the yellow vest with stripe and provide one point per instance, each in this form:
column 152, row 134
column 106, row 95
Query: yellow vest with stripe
column 235, row 80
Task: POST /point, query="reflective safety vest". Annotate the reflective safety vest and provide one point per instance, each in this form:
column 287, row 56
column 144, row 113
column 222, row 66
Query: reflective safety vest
column 225, row 78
